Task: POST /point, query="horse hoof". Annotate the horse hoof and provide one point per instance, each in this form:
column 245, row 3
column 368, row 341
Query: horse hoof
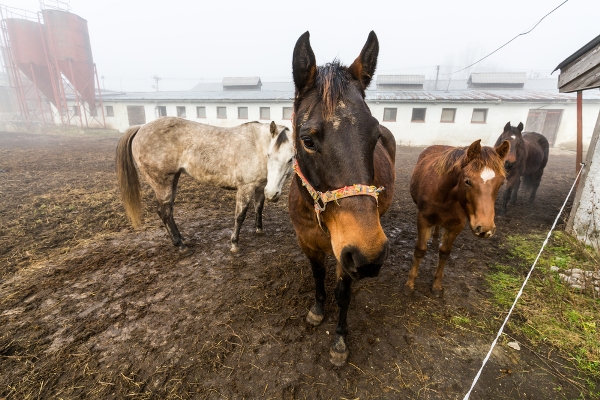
column 260, row 231
column 314, row 319
column 408, row 291
column 439, row 293
column 234, row 248
column 185, row 251
column 339, row 352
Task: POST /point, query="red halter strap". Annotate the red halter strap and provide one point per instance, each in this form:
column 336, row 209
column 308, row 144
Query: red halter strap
column 321, row 199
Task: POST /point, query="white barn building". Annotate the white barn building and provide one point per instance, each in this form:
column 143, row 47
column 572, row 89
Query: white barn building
column 417, row 111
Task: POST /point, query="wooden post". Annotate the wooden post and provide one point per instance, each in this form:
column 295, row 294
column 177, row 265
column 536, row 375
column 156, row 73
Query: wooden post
column 579, row 156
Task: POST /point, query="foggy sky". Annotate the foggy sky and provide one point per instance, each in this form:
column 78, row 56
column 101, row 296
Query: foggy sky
column 186, row 42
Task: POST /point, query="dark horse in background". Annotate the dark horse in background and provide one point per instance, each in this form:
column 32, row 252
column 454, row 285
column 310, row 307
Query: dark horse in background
column 451, row 185
column 527, row 158
column 341, row 148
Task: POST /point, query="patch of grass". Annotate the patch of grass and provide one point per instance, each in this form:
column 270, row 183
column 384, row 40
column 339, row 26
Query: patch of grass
column 549, row 313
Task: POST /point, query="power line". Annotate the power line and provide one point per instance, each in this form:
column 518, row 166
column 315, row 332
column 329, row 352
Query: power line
column 520, row 34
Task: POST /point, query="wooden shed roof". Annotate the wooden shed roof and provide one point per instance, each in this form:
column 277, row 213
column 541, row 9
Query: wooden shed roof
column 581, row 70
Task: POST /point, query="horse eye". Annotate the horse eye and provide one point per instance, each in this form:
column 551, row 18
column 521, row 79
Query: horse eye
column 291, row 159
column 308, row 143
column 468, row 182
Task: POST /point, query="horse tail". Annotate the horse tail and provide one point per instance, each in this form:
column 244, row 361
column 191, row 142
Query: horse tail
column 546, row 149
column 129, row 182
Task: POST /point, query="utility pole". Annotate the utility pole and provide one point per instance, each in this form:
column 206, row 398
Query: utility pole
column 156, row 79
column 437, row 73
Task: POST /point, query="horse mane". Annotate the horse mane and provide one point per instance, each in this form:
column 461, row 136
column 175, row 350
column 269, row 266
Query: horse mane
column 332, row 80
column 281, row 138
column 453, row 158
column 251, row 122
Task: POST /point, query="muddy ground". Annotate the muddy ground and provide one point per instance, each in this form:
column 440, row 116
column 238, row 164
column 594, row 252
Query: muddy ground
column 90, row 308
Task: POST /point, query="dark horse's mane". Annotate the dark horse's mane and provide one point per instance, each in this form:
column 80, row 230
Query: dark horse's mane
column 332, row 80
column 452, row 159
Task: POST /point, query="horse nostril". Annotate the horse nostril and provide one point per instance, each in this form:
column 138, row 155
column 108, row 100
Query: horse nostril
column 478, row 230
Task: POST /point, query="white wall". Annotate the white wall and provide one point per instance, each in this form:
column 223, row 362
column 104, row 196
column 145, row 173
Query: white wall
column 584, row 221
column 120, row 120
column 432, row 131
column 463, row 132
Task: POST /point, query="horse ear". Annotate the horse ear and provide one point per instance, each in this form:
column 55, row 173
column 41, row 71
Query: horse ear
column 304, row 64
column 273, row 128
column 473, row 151
column 520, row 127
column 507, row 126
column 503, row 149
column 363, row 68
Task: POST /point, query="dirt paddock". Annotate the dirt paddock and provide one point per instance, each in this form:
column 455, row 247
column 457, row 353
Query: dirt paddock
column 90, row 308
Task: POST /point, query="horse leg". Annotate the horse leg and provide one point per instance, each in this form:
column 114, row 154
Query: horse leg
column 165, row 197
column 536, row 179
column 339, row 350
column 242, row 201
column 317, row 263
column 513, row 198
column 259, row 203
column 423, row 233
column 435, row 234
column 505, row 197
column 448, row 238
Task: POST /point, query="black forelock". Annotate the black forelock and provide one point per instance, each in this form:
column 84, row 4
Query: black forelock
column 281, row 138
column 332, row 81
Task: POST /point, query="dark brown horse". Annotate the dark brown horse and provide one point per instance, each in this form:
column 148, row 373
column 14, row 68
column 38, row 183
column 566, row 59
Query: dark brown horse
column 527, row 158
column 451, row 185
column 344, row 157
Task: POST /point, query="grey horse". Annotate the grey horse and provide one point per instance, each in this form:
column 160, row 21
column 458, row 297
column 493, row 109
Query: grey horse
column 254, row 158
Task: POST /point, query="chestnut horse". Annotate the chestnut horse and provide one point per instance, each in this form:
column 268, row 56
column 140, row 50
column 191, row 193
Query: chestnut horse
column 527, row 158
column 451, row 185
column 344, row 178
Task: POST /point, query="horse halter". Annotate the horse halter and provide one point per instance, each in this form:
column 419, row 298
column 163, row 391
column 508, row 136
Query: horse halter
column 321, row 199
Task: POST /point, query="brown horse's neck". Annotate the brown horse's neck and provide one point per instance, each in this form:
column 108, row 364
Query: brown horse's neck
column 448, row 186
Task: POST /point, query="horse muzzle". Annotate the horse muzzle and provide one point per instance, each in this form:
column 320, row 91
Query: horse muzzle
column 273, row 198
column 482, row 232
column 359, row 266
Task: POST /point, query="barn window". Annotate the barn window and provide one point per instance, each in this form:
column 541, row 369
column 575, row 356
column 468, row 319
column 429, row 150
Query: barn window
column 76, row 111
column 161, row 111
column 242, row 112
column 181, row 111
column 110, row 112
column 93, row 111
column 389, row 114
column 265, row 113
column 418, row 115
column 200, row 112
column 479, row 115
column 448, row 114
column 222, row 112
column 287, row 113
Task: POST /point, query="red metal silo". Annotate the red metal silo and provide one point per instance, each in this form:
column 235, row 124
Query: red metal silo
column 27, row 48
column 69, row 42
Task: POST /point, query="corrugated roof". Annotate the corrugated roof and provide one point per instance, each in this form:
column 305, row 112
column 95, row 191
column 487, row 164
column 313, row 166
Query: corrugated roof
column 400, row 79
column 498, row 77
column 266, row 86
column 371, row 95
column 241, row 81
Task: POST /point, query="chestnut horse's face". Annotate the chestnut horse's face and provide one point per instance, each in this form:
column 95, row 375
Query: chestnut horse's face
column 335, row 137
column 481, row 178
column 512, row 134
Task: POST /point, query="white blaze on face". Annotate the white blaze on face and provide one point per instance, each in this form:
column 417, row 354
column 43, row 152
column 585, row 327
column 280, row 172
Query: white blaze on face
column 513, row 136
column 487, row 174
